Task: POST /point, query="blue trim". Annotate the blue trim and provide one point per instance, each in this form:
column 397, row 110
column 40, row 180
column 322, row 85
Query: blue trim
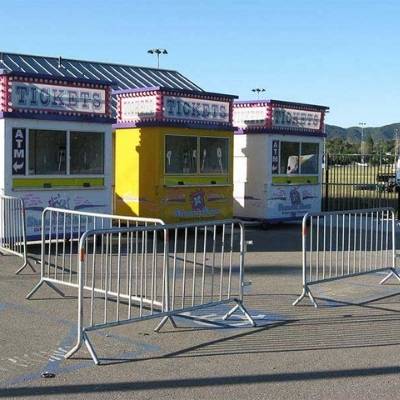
column 278, row 131
column 177, row 91
column 57, row 78
column 57, row 117
column 188, row 124
column 273, row 102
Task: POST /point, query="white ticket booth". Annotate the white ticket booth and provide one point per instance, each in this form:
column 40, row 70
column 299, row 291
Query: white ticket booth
column 278, row 149
column 56, row 144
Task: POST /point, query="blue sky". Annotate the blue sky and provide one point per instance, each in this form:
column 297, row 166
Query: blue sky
column 338, row 53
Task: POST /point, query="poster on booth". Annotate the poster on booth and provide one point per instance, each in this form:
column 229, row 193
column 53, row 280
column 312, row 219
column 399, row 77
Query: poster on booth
column 36, row 201
column 183, row 205
column 292, row 202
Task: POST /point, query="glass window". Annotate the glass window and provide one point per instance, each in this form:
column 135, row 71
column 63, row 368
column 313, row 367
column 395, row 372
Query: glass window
column 290, row 152
column 214, row 155
column 86, row 153
column 47, row 152
column 180, row 154
column 309, row 158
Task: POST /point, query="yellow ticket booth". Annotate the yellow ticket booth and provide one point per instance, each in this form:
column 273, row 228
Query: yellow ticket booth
column 174, row 154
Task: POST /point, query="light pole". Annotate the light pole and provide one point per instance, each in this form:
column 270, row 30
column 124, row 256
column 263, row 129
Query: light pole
column 258, row 91
column 396, row 143
column 362, row 148
column 157, row 52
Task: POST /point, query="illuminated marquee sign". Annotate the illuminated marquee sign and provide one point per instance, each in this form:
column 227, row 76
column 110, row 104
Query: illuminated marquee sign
column 296, row 119
column 137, row 108
column 173, row 107
column 249, row 117
column 185, row 108
column 39, row 96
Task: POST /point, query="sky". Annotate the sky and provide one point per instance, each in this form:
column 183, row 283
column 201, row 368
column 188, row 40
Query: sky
column 344, row 54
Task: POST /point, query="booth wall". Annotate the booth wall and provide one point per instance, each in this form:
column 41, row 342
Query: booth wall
column 142, row 187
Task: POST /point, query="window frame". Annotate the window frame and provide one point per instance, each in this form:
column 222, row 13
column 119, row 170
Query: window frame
column 198, row 173
column 67, row 154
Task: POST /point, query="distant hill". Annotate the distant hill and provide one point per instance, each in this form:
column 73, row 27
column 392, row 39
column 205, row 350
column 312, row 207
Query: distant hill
column 353, row 134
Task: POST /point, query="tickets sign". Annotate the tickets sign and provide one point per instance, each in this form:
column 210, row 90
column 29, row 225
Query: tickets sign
column 38, row 96
column 296, row 119
column 185, row 108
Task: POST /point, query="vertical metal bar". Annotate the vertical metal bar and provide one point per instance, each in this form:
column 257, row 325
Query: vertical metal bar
column 56, row 246
column 317, row 250
column 324, row 251
column 107, row 256
column 118, row 275
column 393, row 240
column 343, row 241
column 381, row 244
column 213, row 262
column 230, row 260
column 311, row 248
column 194, row 266
column 153, row 271
column 184, row 269
column 174, row 268
column 366, row 241
column 387, row 239
column 92, row 294
column 355, row 243
column 203, row 273
column 348, row 245
column 371, row 249
column 330, row 243
column 222, row 262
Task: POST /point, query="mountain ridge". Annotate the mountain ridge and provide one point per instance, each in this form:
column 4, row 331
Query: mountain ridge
column 353, row 133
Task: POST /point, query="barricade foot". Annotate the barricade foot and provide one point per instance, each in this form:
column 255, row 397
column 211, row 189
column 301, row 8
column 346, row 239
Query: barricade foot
column 37, row 287
column 392, row 272
column 239, row 306
column 163, row 322
column 306, row 292
column 84, row 339
column 26, row 264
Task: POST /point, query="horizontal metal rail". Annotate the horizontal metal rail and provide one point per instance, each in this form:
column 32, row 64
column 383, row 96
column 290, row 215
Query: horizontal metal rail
column 180, row 267
column 342, row 244
column 62, row 230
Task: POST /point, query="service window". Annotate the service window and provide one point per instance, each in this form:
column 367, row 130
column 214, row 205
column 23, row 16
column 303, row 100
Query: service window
column 86, row 153
column 214, row 155
column 290, row 152
column 309, row 158
column 180, row 154
column 47, row 152
column 299, row 158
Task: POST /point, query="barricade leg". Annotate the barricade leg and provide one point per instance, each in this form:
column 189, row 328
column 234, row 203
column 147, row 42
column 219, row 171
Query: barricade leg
column 392, row 272
column 37, row 287
column 164, row 321
column 27, row 263
column 306, row 292
column 239, row 306
column 84, row 339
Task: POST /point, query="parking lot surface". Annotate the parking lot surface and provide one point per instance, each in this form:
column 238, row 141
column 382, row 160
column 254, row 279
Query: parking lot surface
column 348, row 348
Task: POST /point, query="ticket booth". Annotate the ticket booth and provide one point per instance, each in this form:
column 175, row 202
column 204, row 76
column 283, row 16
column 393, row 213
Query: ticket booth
column 55, row 143
column 278, row 149
column 174, row 154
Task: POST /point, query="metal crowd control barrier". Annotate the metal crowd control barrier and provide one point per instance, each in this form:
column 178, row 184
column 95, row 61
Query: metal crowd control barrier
column 61, row 231
column 162, row 271
column 347, row 243
column 13, row 229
